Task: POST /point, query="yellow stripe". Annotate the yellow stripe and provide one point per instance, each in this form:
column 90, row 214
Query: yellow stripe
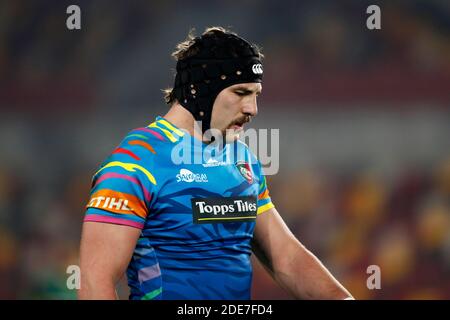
column 129, row 167
column 226, row 218
column 265, row 207
column 165, row 131
column 171, row 127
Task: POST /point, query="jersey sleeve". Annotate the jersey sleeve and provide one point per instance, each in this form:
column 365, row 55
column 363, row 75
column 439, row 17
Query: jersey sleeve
column 264, row 201
column 123, row 186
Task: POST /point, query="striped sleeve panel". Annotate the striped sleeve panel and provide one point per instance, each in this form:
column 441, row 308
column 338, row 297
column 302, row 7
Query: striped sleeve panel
column 122, row 187
column 264, row 201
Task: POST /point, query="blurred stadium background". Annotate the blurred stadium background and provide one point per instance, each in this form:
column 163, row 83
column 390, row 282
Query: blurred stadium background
column 364, row 120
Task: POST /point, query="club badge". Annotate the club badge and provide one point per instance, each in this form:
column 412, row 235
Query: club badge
column 245, row 171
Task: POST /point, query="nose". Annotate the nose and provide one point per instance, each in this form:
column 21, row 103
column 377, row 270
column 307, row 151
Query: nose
column 251, row 107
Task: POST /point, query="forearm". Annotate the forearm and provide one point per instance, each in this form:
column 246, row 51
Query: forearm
column 97, row 288
column 305, row 277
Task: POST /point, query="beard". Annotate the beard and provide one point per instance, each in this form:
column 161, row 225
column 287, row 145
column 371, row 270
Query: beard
column 231, row 135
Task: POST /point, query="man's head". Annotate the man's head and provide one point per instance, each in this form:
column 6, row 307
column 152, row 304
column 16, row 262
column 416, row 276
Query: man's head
column 218, row 77
column 233, row 107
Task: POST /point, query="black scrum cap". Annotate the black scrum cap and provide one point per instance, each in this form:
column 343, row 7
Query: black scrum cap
column 221, row 60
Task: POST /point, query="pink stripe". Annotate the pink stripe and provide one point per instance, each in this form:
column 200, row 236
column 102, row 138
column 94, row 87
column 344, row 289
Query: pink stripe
column 156, row 134
column 99, row 218
column 124, row 176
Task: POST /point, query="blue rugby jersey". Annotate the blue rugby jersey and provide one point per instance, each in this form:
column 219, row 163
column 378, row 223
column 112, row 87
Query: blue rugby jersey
column 197, row 218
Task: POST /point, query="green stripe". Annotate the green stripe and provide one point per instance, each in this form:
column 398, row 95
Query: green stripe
column 151, row 295
column 263, row 184
column 137, row 135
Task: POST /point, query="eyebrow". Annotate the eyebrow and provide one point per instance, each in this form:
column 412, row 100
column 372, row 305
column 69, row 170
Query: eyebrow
column 247, row 91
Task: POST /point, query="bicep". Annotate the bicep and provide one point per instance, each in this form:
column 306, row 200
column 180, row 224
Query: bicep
column 106, row 249
column 272, row 240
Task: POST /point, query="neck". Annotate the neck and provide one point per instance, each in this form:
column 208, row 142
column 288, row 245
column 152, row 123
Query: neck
column 183, row 119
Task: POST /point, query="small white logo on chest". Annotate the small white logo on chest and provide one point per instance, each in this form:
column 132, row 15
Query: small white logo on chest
column 186, row 175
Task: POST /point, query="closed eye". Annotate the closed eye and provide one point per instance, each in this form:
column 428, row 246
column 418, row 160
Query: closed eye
column 242, row 93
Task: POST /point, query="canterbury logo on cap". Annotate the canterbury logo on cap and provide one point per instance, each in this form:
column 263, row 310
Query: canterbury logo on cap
column 257, row 68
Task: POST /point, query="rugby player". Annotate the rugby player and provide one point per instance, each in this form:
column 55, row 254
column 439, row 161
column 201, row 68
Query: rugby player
column 187, row 231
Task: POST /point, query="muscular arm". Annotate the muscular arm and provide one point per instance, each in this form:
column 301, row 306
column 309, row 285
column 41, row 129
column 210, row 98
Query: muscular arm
column 105, row 252
column 292, row 266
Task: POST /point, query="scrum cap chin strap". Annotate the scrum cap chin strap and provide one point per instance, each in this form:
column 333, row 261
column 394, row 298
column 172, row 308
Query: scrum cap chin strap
column 219, row 63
